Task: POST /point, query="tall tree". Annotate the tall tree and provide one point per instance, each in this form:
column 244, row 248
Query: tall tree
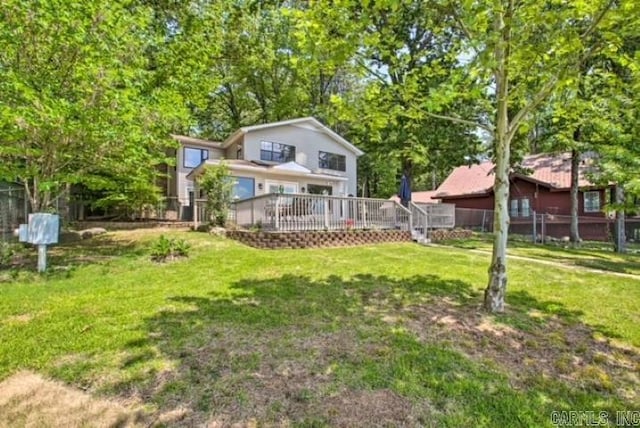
column 520, row 52
column 76, row 106
column 403, row 52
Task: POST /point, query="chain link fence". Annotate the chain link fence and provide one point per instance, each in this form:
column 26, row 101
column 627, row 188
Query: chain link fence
column 14, row 210
column 549, row 227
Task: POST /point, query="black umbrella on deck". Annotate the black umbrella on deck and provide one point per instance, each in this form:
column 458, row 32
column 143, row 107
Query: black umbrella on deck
column 405, row 191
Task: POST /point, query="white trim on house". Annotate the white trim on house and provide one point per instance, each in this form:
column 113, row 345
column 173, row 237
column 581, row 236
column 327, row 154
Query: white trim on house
column 293, row 169
column 185, row 140
column 315, row 125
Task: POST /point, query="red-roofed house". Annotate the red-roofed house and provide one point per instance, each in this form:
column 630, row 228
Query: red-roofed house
column 541, row 184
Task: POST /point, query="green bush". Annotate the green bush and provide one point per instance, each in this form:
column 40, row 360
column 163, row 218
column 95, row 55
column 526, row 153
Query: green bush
column 217, row 184
column 7, row 251
column 169, row 248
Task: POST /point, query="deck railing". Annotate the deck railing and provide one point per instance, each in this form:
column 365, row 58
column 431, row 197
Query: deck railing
column 299, row 212
column 441, row 216
column 419, row 222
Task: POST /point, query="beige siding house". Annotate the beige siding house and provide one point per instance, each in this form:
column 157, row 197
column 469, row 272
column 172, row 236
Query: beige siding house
column 294, row 156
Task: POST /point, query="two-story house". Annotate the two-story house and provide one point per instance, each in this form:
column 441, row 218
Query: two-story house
column 294, row 156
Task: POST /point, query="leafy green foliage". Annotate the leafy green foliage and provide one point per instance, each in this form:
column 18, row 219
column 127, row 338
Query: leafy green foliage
column 217, row 184
column 78, row 102
column 402, row 54
column 165, row 248
column 7, row 252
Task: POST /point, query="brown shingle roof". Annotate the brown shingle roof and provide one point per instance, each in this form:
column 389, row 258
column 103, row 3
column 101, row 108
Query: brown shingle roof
column 551, row 170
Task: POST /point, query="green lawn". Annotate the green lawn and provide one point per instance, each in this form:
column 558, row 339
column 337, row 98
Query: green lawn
column 382, row 335
column 594, row 255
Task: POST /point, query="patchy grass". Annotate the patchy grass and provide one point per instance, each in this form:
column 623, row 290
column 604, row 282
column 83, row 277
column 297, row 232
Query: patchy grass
column 381, row 335
column 27, row 399
column 593, row 255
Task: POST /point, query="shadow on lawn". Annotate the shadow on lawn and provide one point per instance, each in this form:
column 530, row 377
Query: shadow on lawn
column 373, row 350
column 63, row 258
column 626, row 263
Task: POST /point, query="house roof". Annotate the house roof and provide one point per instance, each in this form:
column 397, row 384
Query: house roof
column 289, row 168
column 474, row 179
column 191, row 140
column 550, row 170
column 311, row 121
column 424, row 197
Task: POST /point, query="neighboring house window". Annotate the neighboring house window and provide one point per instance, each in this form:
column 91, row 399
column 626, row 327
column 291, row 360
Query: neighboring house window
column 525, row 208
column 243, row 188
column 513, row 210
column 520, row 208
column 194, row 157
column 332, row 161
column 277, row 152
column 592, row 202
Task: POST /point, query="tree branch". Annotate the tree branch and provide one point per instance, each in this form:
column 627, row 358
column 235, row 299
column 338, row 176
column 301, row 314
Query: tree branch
column 465, row 30
column 462, row 121
column 599, row 17
column 544, row 92
column 375, row 74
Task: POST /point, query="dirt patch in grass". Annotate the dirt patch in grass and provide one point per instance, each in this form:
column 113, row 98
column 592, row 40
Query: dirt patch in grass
column 278, row 377
column 530, row 345
column 27, row 399
column 374, row 351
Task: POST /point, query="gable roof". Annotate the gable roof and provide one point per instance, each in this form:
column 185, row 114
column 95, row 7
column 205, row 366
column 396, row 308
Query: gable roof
column 309, row 121
column 475, row 179
column 549, row 170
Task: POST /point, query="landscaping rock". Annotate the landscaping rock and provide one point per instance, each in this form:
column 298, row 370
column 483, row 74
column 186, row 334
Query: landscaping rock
column 203, row 228
column 218, row 231
column 94, row 231
column 70, row 236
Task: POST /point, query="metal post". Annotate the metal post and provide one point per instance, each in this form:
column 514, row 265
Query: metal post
column 277, row 208
column 42, row 258
column 195, row 214
column 326, row 213
column 484, row 214
column 535, row 234
column 542, row 228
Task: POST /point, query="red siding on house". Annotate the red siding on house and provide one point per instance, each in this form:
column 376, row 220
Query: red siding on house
column 542, row 200
column 477, row 203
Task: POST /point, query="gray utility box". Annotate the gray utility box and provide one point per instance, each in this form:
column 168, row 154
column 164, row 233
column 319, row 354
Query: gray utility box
column 43, row 229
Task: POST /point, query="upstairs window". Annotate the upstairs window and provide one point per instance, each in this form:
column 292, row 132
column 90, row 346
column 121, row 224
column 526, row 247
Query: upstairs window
column 277, row 152
column 592, row 202
column 194, row 157
column 332, row 161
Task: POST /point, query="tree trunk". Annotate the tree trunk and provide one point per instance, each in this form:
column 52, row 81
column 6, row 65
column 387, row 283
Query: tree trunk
column 496, row 289
column 620, row 233
column 575, row 165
